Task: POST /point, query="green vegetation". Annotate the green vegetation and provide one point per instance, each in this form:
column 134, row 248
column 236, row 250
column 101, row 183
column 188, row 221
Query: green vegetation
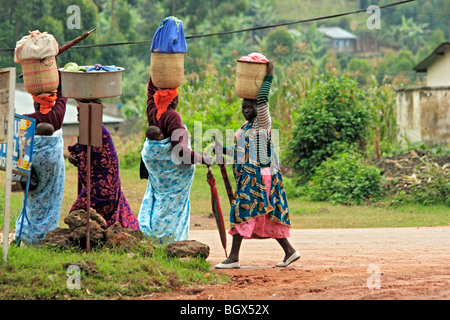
column 42, row 274
column 330, row 119
column 344, row 179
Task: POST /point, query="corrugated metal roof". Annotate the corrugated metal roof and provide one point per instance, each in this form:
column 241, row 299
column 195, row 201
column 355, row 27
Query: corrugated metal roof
column 23, row 104
column 337, row 33
column 439, row 51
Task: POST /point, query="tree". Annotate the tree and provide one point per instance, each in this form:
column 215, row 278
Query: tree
column 279, row 44
column 331, row 119
column 413, row 34
column 360, row 69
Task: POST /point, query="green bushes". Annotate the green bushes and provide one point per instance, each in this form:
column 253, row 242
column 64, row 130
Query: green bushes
column 331, row 119
column 345, row 179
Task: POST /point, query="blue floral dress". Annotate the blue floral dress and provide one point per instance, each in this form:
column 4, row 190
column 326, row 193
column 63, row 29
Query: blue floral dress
column 165, row 209
column 43, row 208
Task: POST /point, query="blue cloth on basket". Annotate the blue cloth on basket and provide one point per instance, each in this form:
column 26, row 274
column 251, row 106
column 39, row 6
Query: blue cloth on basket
column 169, row 37
column 99, row 67
column 43, row 206
column 165, row 209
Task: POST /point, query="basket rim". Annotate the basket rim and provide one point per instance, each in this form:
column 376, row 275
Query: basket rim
column 258, row 62
column 65, row 71
column 162, row 53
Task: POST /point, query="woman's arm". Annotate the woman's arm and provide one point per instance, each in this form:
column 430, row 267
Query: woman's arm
column 180, row 142
column 262, row 107
column 151, row 89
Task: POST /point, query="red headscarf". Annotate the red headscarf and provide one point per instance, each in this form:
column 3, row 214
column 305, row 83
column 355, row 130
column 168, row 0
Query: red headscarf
column 46, row 101
column 163, row 98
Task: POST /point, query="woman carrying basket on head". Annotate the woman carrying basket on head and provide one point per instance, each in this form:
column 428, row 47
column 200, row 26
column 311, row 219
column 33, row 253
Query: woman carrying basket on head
column 259, row 209
column 43, row 207
column 169, row 163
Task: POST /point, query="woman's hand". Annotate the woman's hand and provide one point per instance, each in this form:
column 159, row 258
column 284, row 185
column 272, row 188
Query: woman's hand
column 73, row 160
column 218, row 147
column 270, row 68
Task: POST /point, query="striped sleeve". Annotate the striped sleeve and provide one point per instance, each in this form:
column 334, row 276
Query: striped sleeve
column 262, row 106
column 263, row 122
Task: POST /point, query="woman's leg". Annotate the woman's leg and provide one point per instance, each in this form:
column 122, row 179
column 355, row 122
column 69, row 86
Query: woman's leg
column 287, row 247
column 235, row 248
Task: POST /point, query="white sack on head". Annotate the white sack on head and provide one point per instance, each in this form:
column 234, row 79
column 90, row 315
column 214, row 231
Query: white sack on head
column 36, row 46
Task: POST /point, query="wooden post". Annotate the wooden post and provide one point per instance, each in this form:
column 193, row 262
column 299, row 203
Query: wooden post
column 90, row 134
column 11, row 87
column 88, row 176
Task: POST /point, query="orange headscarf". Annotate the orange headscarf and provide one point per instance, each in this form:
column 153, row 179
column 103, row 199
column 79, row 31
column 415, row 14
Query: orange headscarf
column 163, row 98
column 46, row 101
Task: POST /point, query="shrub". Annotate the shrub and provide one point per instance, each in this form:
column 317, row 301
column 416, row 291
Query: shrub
column 331, row 116
column 345, row 179
column 433, row 189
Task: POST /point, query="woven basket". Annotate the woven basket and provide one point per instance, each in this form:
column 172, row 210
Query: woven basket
column 249, row 78
column 167, row 69
column 40, row 76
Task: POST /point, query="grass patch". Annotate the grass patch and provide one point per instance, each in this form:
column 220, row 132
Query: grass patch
column 40, row 273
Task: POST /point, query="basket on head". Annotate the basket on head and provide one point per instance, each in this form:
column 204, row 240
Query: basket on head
column 40, row 75
column 167, row 69
column 249, row 78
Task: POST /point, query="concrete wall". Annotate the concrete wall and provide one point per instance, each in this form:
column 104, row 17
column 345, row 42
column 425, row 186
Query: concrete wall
column 438, row 73
column 423, row 114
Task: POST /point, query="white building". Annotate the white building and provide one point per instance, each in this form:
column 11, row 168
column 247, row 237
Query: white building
column 423, row 113
column 437, row 66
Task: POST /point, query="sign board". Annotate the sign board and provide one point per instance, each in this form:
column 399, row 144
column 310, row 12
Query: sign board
column 90, row 116
column 22, row 149
column 4, row 103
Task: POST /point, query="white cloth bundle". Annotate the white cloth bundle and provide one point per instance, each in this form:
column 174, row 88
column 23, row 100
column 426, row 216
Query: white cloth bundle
column 36, row 46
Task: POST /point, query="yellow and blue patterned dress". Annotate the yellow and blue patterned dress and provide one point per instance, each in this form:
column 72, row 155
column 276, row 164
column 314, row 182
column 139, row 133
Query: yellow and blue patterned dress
column 253, row 151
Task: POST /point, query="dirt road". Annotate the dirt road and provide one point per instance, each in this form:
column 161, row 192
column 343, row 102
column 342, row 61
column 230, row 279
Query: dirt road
column 369, row 264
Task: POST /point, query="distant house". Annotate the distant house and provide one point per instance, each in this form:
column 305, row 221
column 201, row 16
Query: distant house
column 423, row 113
column 338, row 39
column 437, row 66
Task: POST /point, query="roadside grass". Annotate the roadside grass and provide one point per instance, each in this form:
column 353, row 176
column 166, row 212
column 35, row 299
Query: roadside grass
column 41, row 273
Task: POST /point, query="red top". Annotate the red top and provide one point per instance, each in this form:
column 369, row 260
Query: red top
column 169, row 123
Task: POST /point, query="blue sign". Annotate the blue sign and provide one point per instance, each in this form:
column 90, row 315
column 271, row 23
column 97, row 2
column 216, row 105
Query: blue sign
column 22, row 146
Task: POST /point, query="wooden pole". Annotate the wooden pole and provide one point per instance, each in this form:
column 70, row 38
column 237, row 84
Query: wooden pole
column 90, row 135
column 9, row 162
column 88, row 176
